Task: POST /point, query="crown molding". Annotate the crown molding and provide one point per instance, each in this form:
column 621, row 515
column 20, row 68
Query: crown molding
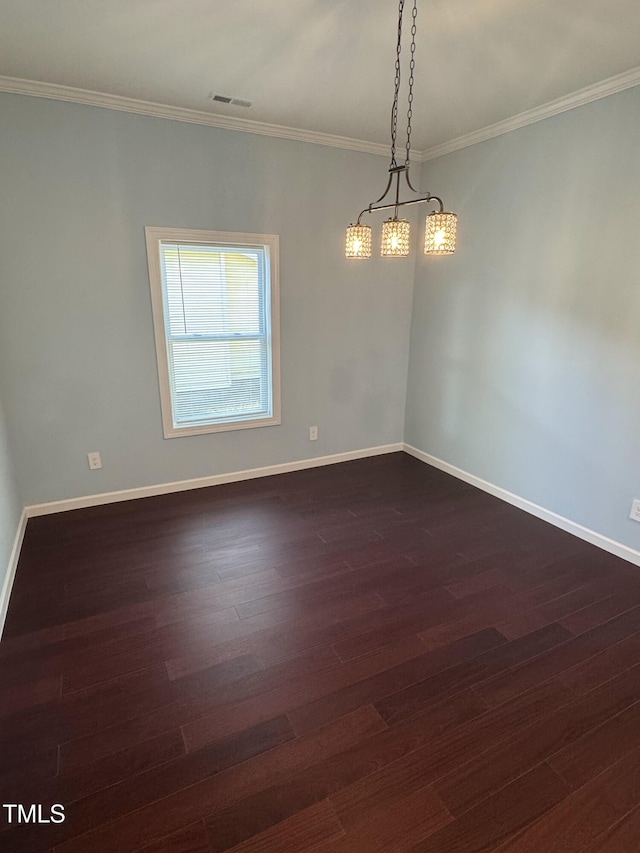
column 618, row 83
column 53, row 91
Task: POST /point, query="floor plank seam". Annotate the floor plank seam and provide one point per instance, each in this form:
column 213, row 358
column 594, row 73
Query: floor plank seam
column 572, row 788
column 184, row 740
column 480, row 699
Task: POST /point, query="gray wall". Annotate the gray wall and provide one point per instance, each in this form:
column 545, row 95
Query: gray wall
column 10, row 503
column 525, row 345
column 77, row 356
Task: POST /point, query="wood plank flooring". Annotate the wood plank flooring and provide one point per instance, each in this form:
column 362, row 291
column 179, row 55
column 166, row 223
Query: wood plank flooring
column 361, row 658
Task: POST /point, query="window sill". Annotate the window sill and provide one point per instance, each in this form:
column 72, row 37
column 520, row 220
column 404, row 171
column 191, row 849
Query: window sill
column 178, row 432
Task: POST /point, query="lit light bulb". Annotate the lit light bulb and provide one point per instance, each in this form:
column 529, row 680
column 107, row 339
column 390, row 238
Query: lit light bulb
column 440, row 233
column 358, row 242
column 395, row 238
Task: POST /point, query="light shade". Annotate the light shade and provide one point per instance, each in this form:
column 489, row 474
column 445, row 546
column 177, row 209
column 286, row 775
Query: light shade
column 358, row 243
column 440, row 234
column 395, row 238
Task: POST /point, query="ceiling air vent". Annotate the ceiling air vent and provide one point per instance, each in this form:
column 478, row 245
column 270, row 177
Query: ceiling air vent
column 225, row 99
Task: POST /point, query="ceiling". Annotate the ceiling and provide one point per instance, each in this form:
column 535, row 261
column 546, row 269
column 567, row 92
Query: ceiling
column 325, row 65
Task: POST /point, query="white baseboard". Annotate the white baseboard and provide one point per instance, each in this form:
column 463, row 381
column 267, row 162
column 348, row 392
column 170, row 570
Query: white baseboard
column 203, row 482
column 163, row 489
column 610, row 545
column 11, row 570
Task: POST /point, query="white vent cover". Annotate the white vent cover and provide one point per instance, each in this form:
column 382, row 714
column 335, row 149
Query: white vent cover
column 225, row 99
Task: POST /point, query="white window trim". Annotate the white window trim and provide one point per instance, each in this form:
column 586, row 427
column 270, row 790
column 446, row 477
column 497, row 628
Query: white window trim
column 153, row 237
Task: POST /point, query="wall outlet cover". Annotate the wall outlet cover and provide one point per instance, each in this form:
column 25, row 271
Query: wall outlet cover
column 95, row 461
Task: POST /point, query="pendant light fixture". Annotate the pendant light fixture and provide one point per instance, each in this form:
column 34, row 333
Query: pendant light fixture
column 440, row 227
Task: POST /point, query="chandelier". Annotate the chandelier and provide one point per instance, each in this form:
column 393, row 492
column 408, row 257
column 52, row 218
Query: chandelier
column 440, row 227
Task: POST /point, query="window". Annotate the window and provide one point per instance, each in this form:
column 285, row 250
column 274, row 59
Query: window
column 215, row 315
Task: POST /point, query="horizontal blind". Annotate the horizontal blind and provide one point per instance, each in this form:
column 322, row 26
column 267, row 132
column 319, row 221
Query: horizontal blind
column 217, row 332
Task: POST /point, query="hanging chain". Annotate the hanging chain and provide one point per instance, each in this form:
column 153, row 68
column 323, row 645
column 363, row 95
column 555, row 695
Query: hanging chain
column 394, row 108
column 412, row 65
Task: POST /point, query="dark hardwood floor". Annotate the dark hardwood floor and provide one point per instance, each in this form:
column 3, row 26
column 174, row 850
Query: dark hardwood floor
column 366, row 657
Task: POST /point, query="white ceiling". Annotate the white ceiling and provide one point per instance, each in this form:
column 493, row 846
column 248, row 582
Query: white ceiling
column 325, row 65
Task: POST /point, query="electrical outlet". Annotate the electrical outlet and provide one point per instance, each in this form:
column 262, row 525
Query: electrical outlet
column 635, row 510
column 95, row 461
column 313, row 433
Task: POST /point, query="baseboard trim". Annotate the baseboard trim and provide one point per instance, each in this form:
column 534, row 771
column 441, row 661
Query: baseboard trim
column 610, row 545
column 203, row 482
column 7, row 586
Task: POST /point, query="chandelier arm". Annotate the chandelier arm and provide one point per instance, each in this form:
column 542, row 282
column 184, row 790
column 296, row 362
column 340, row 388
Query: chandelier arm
column 411, row 187
column 373, row 207
column 386, row 189
column 439, row 200
column 397, row 204
column 396, row 170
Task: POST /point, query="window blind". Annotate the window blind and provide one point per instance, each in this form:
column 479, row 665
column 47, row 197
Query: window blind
column 216, row 310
